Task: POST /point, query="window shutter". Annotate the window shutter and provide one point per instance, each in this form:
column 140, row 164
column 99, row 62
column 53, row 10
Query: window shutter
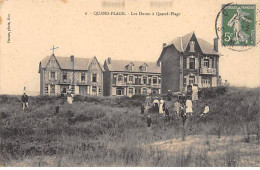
column 210, row 63
column 56, row 75
column 188, row 63
column 97, row 78
column 214, row 81
column 199, row 81
column 142, row 79
column 202, row 62
column 196, row 63
column 57, row 89
column 187, row 80
column 49, row 75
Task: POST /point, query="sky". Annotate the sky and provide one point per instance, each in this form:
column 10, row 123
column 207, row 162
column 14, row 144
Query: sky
column 37, row 25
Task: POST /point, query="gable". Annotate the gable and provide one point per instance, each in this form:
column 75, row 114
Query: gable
column 52, row 63
column 95, row 65
column 196, row 44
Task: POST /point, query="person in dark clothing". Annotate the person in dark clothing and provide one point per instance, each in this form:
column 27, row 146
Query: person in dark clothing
column 57, row 109
column 167, row 114
column 169, row 95
column 183, row 115
column 189, row 91
column 149, row 121
column 24, row 99
column 142, row 109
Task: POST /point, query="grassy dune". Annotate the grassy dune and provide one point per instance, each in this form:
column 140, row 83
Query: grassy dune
column 104, row 131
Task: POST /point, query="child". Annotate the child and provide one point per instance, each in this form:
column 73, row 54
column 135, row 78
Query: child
column 142, row 109
column 149, row 121
column 189, row 107
column 183, row 114
column 206, row 110
column 167, row 114
column 177, row 108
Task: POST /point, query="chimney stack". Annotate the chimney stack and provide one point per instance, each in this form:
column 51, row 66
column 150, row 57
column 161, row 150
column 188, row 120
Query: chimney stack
column 109, row 60
column 72, row 58
column 163, row 45
column 216, row 44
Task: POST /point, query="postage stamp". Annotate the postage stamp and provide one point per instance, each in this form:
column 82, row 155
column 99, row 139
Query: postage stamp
column 238, row 25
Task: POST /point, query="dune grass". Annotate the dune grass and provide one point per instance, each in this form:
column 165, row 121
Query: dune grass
column 106, row 131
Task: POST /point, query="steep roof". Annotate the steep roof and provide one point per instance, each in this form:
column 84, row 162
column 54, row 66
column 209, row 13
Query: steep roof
column 181, row 44
column 65, row 63
column 120, row 65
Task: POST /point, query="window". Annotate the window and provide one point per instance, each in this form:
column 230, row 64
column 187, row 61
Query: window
column 192, row 43
column 130, row 67
column 131, row 79
column 144, row 68
column 192, row 63
column 120, row 78
column 94, row 77
column 130, row 90
column 144, row 91
column 114, row 79
column 145, row 80
column 119, row 91
column 99, row 91
column 52, row 75
column 206, row 63
column 64, row 76
column 52, row 88
column 191, row 79
column 94, row 89
column 206, row 82
column 83, row 77
column 154, row 80
column 46, row 88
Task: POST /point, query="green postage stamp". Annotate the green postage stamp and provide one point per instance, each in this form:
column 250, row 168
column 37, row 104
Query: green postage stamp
column 238, row 25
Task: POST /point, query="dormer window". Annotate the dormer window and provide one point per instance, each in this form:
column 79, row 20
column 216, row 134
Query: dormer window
column 130, row 67
column 143, row 67
column 192, row 44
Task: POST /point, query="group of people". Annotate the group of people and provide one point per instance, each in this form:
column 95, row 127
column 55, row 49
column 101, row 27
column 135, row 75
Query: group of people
column 183, row 105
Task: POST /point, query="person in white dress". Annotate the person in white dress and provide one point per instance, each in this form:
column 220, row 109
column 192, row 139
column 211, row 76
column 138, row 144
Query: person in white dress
column 69, row 97
column 161, row 110
column 147, row 102
column 189, row 107
column 206, row 110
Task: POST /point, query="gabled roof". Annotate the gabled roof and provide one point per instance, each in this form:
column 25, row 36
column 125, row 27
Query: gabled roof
column 66, row 64
column 119, row 65
column 181, row 43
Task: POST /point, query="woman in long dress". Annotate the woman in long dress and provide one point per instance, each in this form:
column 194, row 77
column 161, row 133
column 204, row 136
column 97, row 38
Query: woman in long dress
column 161, row 111
column 189, row 107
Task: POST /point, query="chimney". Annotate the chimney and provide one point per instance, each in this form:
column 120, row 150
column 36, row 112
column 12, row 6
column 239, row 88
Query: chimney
column 216, row 44
column 109, row 60
column 72, row 58
column 163, row 45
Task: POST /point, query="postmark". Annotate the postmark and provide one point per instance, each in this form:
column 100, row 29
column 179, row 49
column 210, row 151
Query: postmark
column 238, row 26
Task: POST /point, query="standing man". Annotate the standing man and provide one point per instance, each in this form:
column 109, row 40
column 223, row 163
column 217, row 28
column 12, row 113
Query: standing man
column 24, row 99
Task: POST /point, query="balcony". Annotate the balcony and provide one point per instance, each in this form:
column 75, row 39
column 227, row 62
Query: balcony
column 82, row 83
column 120, row 83
column 64, row 81
column 156, row 85
column 209, row 71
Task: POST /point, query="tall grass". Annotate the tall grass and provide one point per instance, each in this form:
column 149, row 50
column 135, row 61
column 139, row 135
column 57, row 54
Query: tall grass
column 105, row 131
